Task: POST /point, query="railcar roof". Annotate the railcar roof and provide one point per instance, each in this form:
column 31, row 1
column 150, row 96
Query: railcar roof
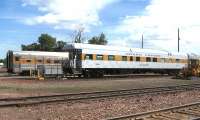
column 42, row 53
column 194, row 56
column 120, row 48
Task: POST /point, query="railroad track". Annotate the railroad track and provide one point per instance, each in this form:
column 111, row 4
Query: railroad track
column 33, row 100
column 106, row 77
column 184, row 112
column 112, row 77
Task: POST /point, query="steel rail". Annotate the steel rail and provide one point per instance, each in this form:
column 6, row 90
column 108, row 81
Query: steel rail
column 174, row 109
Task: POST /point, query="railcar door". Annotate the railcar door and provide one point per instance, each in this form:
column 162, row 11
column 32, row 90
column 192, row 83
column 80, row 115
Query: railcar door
column 77, row 64
column 9, row 63
column 74, row 64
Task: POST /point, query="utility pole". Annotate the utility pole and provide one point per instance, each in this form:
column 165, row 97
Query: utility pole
column 142, row 42
column 178, row 39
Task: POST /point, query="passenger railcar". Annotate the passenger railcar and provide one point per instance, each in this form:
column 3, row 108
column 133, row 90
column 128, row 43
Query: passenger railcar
column 97, row 60
column 26, row 61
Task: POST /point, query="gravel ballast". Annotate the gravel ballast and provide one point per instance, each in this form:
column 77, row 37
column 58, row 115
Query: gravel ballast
column 99, row 109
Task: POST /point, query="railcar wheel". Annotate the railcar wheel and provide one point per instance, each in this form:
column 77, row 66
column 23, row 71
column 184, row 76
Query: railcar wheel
column 100, row 74
column 86, row 74
column 79, row 75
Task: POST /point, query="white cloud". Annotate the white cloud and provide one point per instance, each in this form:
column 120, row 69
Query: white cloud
column 67, row 14
column 160, row 21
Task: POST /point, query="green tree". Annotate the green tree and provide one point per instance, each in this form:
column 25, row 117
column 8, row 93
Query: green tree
column 99, row 40
column 23, row 47
column 60, row 45
column 102, row 39
column 31, row 47
column 93, row 40
column 47, row 42
column 3, row 61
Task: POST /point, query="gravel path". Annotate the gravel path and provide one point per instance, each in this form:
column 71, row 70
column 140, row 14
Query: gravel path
column 99, row 109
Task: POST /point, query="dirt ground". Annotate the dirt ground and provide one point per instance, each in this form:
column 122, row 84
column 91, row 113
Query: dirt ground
column 99, row 109
column 24, row 86
column 93, row 109
column 3, row 69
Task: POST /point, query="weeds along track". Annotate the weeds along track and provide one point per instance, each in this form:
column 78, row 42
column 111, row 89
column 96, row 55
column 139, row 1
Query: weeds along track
column 33, row 100
column 184, row 112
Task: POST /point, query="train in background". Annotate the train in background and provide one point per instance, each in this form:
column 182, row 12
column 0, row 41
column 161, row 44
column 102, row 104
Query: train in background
column 24, row 62
column 89, row 60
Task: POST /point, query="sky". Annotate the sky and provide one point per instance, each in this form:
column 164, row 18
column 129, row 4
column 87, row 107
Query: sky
column 123, row 22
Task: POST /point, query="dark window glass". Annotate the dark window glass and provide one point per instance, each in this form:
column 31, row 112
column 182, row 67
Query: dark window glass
column 16, row 58
column 88, row 57
column 131, row 58
column 154, row 59
column 124, row 58
column 111, row 57
column 39, row 61
column 28, row 61
column 177, row 60
column 99, row 57
column 56, row 61
column 137, row 58
column 148, row 59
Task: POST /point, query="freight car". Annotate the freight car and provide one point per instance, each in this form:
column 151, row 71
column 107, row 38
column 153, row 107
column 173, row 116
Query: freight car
column 24, row 62
column 97, row 60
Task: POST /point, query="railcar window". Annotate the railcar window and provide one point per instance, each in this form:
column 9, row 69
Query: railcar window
column 148, row 59
column 131, row 58
column 48, row 61
column 177, row 60
column 166, row 60
column 99, row 57
column 56, row 61
column 28, row 61
column 137, row 58
column 39, row 61
column 111, row 57
column 154, row 59
column 124, row 58
column 88, row 57
column 162, row 60
column 170, row 60
column 16, row 58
